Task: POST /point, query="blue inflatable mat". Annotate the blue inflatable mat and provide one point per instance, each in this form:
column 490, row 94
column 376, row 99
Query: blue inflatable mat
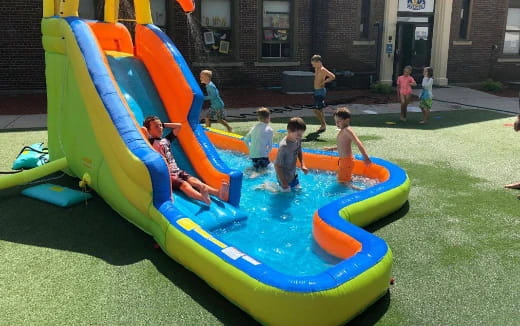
column 57, row 195
column 210, row 217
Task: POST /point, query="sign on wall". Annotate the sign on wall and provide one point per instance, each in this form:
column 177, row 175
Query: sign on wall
column 423, row 6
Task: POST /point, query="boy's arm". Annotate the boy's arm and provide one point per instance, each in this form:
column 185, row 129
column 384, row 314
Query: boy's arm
column 145, row 132
column 413, row 83
column 330, row 148
column 278, row 166
column 247, row 137
column 360, row 145
column 329, row 76
column 174, row 126
column 270, row 141
column 300, row 157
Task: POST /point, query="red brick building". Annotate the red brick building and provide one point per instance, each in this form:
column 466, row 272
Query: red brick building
column 250, row 42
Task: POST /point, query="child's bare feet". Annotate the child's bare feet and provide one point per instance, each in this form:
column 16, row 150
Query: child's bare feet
column 353, row 187
column 223, row 192
column 513, row 186
column 321, row 130
column 403, row 119
column 422, row 122
column 205, row 194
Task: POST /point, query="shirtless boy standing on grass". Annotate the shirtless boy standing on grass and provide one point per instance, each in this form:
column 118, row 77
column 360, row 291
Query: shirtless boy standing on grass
column 321, row 77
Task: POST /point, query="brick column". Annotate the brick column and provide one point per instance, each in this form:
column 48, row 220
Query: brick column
column 389, row 29
column 441, row 41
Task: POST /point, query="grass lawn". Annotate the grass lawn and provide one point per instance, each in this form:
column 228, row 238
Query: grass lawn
column 456, row 245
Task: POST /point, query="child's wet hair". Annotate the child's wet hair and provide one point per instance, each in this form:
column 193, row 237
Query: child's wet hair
column 430, row 71
column 316, row 58
column 409, row 68
column 296, row 124
column 208, row 73
column 342, row 113
column 149, row 119
column 263, row 113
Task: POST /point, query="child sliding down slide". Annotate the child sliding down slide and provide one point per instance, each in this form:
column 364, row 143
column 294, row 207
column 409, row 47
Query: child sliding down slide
column 191, row 186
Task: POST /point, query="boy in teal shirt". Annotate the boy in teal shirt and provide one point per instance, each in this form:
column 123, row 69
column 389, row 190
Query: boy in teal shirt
column 216, row 110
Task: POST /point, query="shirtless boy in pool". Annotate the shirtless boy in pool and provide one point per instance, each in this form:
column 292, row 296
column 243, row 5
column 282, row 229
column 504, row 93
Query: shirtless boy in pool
column 344, row 146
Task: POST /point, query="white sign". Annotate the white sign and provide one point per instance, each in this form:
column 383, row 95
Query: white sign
column 423, row 6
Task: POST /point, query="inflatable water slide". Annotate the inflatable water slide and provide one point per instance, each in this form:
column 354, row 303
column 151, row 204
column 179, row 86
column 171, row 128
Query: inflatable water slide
column 101, row 84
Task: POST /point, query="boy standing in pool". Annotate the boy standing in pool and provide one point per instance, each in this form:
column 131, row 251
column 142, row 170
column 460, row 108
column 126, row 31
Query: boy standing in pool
column 259, row 140
column 180, row 180
column 344, row 146
column 289, row 151
column 216, row 109
column 321, row 77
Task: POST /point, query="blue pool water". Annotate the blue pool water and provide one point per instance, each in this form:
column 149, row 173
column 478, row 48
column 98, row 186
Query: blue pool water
column 278, row 230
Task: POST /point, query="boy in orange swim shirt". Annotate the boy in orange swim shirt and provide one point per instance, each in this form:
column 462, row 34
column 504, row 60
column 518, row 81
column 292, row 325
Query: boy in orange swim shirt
column 344, row 146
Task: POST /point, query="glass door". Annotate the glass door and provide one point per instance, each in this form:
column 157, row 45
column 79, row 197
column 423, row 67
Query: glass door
column 413, row 48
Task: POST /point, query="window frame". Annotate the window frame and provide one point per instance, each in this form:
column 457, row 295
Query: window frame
column 234, row 30
column 465, row 20
column 516, row 31
column 291, row 40
column 365, row 19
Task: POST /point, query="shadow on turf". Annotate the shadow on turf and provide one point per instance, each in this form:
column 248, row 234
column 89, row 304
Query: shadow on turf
column 373, row 313
column 389, row 219
column 438, row 119
column 96, row 230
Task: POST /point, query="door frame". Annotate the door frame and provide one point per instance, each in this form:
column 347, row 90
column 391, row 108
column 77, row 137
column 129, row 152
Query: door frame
column 398, row 67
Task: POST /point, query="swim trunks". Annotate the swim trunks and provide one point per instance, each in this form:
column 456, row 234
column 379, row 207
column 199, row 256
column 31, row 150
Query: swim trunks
column 346, row 166
column 319, row 98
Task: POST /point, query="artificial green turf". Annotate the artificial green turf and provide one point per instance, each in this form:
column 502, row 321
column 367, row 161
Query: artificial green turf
column 456, row 244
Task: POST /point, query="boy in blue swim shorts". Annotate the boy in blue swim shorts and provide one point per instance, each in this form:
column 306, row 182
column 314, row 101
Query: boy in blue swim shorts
column 321, row 76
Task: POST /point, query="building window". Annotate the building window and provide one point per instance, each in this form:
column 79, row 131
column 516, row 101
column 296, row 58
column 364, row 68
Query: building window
column 216, row 27
column 276, row 28
column 512, row 36
column 364, row 25
column 464, row 19
column 158, row 8
column 87, row 9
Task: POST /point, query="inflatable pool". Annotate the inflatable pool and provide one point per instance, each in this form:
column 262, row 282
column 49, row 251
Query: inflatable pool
column 101, row 84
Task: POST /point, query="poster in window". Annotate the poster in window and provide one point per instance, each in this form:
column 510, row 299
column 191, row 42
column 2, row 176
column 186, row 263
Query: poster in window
column 216, row 13
column 281, row 35
column 224, row 47
column 268, row 35
column 276, row 14
column 158, row 11
column 209, row 38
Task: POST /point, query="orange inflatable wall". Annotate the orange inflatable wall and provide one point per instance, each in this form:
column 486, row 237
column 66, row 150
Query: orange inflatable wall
column 177, row 97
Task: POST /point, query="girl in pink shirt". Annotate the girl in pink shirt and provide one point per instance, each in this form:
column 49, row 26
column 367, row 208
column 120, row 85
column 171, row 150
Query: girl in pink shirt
column 404, row 90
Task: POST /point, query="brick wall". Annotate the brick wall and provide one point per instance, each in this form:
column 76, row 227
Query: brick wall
column 478, row 61
column 340, row 22
column 22, row 65
column 248, row 36
column 325, row 27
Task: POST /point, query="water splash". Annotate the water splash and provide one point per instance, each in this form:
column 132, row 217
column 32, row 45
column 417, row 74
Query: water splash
column 202, row 54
